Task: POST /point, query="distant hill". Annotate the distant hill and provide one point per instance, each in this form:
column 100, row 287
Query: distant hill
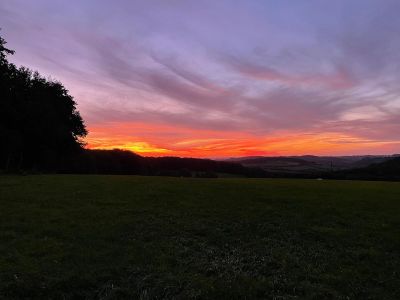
column 385, row 170
column 282, row 164
column 309, row 164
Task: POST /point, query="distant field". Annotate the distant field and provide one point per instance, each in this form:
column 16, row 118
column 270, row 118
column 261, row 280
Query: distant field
column 128, row 237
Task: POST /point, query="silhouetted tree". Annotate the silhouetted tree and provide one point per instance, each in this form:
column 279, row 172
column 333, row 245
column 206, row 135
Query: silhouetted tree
column 39, row 124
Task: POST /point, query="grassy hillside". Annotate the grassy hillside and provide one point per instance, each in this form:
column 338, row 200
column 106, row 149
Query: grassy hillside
column 116, row 237
column 310, row 164
column 386, row 170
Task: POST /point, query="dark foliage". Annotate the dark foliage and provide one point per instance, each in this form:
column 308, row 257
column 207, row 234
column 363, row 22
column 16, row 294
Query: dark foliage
column 39, row 124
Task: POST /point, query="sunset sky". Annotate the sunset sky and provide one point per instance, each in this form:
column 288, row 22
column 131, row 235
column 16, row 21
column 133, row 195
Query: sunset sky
column 220, row 78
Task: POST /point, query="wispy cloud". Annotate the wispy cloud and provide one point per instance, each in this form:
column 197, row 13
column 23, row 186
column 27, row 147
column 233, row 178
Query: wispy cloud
column 217, row 76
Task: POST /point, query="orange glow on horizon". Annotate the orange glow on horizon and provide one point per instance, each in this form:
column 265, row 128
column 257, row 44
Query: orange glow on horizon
column 161, row 140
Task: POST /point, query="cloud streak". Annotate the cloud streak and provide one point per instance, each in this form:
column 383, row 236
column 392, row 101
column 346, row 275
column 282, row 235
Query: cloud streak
column 185, row 70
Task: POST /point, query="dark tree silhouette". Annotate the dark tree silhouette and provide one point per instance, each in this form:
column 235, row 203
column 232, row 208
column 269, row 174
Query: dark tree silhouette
column 40, row 127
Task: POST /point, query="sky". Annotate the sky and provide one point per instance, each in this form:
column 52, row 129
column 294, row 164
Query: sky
column 220, row 78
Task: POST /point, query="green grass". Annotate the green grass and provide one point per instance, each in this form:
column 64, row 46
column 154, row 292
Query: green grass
column 128, row 237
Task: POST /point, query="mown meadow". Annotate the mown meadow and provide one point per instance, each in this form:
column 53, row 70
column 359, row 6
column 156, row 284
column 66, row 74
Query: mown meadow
column 132, row 237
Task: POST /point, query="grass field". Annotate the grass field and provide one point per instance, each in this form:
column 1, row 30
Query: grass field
column 128, row 237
